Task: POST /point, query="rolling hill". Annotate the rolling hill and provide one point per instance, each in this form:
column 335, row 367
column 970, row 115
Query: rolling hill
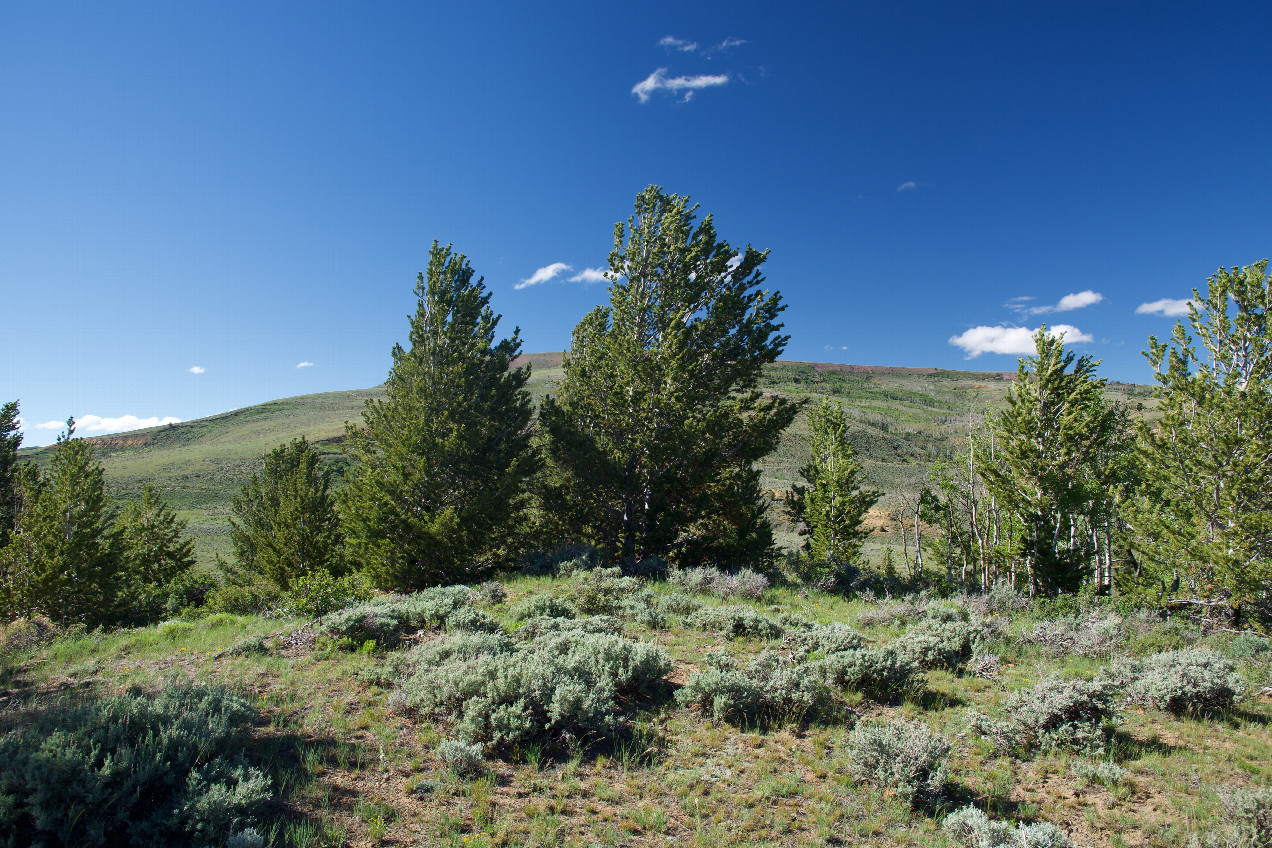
column 902, row 419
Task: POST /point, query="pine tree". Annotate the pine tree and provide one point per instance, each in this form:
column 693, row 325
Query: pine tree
column 62, row 559
column 1053, row 442
column 285, row 524
column 1204, row 519
column 658, row 424
column 831, row 509
column 438, row 490
column 10, row 481
column 154, row 550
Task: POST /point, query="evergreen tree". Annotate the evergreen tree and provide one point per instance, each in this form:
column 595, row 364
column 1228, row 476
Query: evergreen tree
column 658, row 425
column 437, row 493
column 62, row 559
column 1052, row 444
column 285, row 524
column 154, row 550
column 831, row 509
column 10, row 482
column 1204, row 519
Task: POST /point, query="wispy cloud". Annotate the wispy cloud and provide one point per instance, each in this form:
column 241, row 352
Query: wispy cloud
column 659, row 81
column 1166, row 306
column 908, row 185
column 544, row 274
column 670, row 42
column 305, row 364
column 590, row 275
column 97, row 424
column 1068, row 303
column 1012, row 340
column 196, row 369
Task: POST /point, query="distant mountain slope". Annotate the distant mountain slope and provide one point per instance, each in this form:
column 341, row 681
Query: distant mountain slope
column 902, row 419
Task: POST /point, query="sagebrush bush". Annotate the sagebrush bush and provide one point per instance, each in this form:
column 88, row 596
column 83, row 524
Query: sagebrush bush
column 708, row 580
column 1190, row 681
column 543, row 606
column 1074, row 714
column 544, row 626
column 605, row 591
column 554, row 689
column 1250, row 811
column 250, row 599
column 735, row 622
column 319, row 592
column 1095, row 634
column 490, row 593
column 678, row 603
column 940, row 640
column 1247, row 645
column 973, row 829
column 880, row 673
column 463, row 758
column 770, row 688
column 140, row 768
column 386, row 620
column 1102, row 772
column 907, row 757
column 823, row 640
column 24, row 633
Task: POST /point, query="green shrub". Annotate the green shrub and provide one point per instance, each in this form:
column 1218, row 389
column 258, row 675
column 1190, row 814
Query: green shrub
column 543, row 606
column 555, row 689
column 1074, row 714
column 1192, row 681
column 1248, row 645
column 386, row 620
column 678, row 603
column 1085, row 635
column 544, row 626
column 605, row 591
column 880, row 673
column 140, row 769
column 768, row 689
column 907, row 757
column 1099, row 772
column 736, row 621
column 944, row 640
column 490, row 593
column 25, row 633
column 319, row 593
column 708, row 580
column 563, row 561
column 189, row 591
column 972, row 828
column 251, row 599
column 1250, row 811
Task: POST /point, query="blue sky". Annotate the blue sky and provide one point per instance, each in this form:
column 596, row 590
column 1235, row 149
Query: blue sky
column 204, row 207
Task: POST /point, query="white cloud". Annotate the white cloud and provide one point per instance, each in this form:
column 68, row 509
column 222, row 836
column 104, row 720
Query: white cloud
column 1068, row 303
column 547, row 272
column 196, row 369
column 305, row 364
column 731, row 42
column 1012, row 340
column 659, row 81
column 908, row 185
column 97, row 424
column 672, row 43
column 1166, row 306
column 590, row 275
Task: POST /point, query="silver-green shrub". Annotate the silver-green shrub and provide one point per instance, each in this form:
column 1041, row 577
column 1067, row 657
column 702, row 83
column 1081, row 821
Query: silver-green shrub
column 824, row 639
column 1101, row 772
column 907, row 757
column 1074, row 714
column 553, row 689
column 1089, row 635
column 140, row 768
column 1191, row 681
column 386, row 620
column 940, row 640
column 708, row 580
column 490, row 593
column 475, row 620
column 1249, row 645
column 973, row 829
column 543, row 626
column 770, row 688
column 736, row 621
column 543, row 606
column 463, row 758
column 605, row 591
column 880, row 673
column 678, row 603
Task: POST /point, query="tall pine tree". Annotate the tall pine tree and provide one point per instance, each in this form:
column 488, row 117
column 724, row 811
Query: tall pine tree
column 831, row 509
column 10, row 482
column 438, row 490
column 655, row 433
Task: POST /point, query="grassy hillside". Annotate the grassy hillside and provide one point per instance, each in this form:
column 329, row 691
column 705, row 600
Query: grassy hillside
column 903, row 418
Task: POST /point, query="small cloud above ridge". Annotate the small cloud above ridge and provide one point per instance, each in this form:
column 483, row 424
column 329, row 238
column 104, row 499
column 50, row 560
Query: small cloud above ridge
column 1012, row 340
column 1167, row 306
